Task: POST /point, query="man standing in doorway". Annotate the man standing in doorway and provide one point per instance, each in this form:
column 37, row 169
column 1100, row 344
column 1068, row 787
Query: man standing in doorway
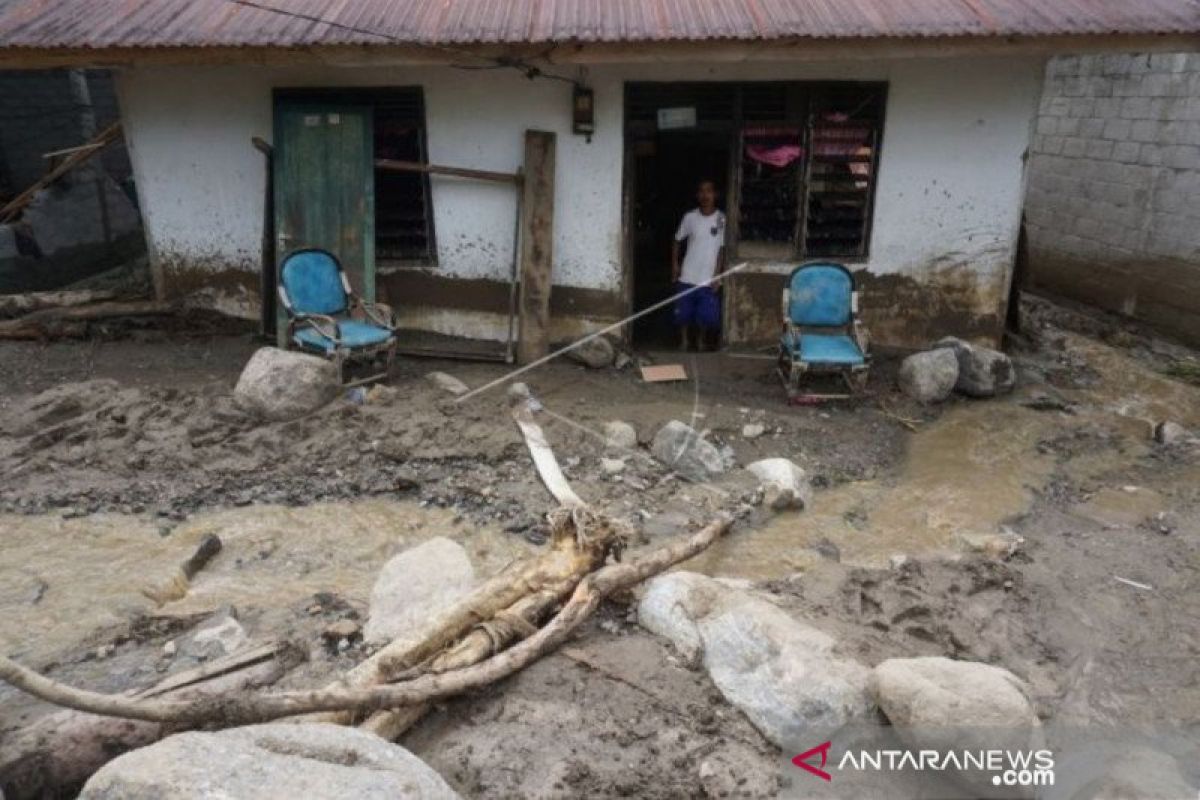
column 703, row 229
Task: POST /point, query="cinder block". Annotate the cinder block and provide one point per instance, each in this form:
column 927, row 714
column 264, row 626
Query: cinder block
column 1129, row 86
column 1053, row 145
column 1117, row 129
column 1150, row 155
column 1145, row 130
column 1063, row 65
column 1135, row 107
column 1100, row 149
column 1082, row 107
column 1074, row 147
column 1108, row 107
column 1091, row 128
column 1126, row 152
column 1169, row 62
column 1183, row 156
column 1047, row 125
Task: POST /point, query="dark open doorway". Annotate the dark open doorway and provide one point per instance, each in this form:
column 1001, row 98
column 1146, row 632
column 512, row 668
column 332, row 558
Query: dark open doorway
column 667, row 165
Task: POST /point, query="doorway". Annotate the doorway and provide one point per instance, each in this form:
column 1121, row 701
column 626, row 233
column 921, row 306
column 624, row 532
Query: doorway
column 667, row 166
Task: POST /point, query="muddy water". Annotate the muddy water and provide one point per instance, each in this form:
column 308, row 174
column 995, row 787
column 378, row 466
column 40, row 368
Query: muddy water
column 972, row 469
column 966, row 473
column 62, row 579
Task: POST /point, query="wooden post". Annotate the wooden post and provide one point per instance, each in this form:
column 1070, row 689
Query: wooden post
column 537, row 246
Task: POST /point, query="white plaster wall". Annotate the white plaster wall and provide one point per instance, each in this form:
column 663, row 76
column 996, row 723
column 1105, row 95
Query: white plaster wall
column 949, row 190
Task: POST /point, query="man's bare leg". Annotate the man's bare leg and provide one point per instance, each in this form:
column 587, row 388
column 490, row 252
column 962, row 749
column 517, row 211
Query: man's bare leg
column 683, row 338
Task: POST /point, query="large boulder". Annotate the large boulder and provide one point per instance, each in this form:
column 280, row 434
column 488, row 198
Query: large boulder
column 782, row 674
column 937, row 703
column 982, row 372
column 280, row 384
column 682, row 449
column 268, row 762
column 415, row 586
column 929, row 377
column 785, row 485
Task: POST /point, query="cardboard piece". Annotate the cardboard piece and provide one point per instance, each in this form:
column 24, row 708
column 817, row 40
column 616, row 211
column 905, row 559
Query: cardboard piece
column 663, row 372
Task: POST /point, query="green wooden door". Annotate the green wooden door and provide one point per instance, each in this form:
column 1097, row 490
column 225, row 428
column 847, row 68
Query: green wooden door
column 325, row 186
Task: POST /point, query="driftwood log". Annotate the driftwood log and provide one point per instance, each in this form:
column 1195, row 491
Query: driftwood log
column 52, row 323
column 13, row 305
column 507, row 623
column 54, row 756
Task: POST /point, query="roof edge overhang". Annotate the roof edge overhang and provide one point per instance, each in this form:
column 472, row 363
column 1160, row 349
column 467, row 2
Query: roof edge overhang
column 711, row 51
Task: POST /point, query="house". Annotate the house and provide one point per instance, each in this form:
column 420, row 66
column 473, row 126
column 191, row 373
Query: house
column 889, row 136
column 1112, row 216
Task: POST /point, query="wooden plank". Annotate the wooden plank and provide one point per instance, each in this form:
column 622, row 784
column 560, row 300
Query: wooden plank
column 537, row 246
column 663, row 372
column 456, row 172
column 106, row 136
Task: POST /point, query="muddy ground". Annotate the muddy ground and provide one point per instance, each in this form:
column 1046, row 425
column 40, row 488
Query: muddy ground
column 119, row 454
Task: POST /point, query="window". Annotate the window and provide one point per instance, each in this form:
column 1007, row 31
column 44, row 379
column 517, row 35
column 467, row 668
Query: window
column 804, row 158
column 403, row 207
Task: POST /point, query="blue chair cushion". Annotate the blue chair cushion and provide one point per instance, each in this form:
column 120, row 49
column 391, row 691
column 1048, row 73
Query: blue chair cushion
column 355, row 335
column 819, row 295
column 312, row 281
column 836, row 349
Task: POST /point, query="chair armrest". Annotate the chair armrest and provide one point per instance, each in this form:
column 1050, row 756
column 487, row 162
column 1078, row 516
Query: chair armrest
column 379, row 313
column 862, row 336
column 324, row 325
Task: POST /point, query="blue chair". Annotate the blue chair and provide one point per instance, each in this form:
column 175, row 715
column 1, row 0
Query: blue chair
column 326, row 318
column 821, row 329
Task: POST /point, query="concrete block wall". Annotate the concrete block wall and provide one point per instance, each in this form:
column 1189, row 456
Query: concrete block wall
column 1112, row 212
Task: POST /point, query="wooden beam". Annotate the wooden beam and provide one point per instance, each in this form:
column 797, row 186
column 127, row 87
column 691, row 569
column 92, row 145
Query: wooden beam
column 456, row 172
column 537, row 246
column 106, row 136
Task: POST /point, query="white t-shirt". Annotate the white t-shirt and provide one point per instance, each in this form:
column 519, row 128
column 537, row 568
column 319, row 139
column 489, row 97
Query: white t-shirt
column 705, row 237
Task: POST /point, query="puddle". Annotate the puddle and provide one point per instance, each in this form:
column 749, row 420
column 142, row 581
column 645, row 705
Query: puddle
column 62, row 579
column 965, row 473
column 969, row 471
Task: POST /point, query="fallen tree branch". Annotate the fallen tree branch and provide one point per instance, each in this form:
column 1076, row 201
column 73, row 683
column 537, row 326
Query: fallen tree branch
column 244, row 708
column 50, row 322
column 12, row 305
column 55, row 755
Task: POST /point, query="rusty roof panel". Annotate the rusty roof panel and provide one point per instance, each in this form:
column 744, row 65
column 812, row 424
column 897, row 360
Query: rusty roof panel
column 193, row 23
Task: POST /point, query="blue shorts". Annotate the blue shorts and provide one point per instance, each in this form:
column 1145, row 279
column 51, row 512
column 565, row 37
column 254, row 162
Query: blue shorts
column 701, row 307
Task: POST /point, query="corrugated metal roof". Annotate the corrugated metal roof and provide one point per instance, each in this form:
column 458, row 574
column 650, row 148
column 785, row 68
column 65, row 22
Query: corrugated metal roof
column 192, row 23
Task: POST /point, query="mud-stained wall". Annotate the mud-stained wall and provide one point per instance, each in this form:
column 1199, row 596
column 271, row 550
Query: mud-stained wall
column 946, row 210
column 1113, row 207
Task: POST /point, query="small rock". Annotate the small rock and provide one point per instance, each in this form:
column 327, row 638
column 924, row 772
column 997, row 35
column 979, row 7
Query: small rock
column 169, row 648
column 937, row 703
column 666, row 523
column 447, row 383
column 595, row 353
column 105, row 650
column 612, row 466
column 316, row 760
column 784, row 483
column 381, row 394
column 929, row 377
column 346, row 629
column 281, row 385
column 219, row 635
column 982, row 372
column 753, row 430
column 619, row 435
column 680, row 447
column 415, row 586
column 995, row 545
column 1170, row 433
